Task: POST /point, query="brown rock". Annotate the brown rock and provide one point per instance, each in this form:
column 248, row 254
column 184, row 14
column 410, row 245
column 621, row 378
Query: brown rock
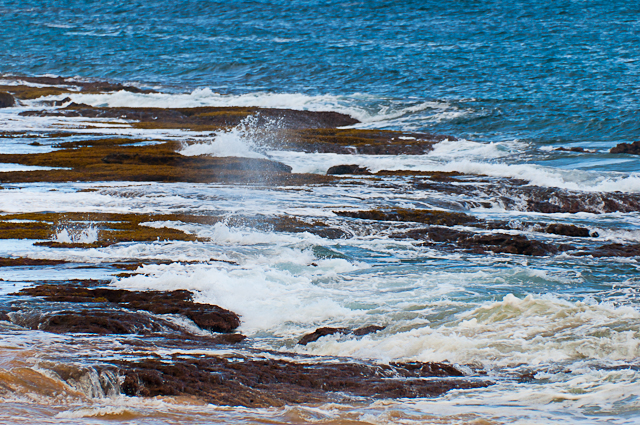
column 319, row 333
column 366, row 330
column 6, row 100
column 210, row 317
column 511, row 244
column 264, row 383
column 569, row 230
column 631, row 148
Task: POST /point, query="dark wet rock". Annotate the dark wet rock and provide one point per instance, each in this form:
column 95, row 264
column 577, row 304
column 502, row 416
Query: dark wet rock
column 95, row 322
column 113, row 322
column 494, row 242
column 439, row 176
column 206, row 316
column 573, row 149
column 436, row 217
column 569, row 230
column 62, row 102
column 366, row 330
column 348, row 169
column 510, row 244
column 320, row 332
column 614, row 250
column 411, row 369
column 518, row 195
column 349, row 141
column 632, row 148
column 6, row 100
column 264, row 383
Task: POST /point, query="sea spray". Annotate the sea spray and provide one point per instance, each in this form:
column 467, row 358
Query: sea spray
column 76, row 233
column 249, row 139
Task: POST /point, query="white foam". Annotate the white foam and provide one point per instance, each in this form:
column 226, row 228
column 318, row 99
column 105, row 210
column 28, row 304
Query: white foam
column 243, row 140
column 365, row 108
column 76, row 233
column 588, row 181
column 267, row 298
column 533, row 330
column 7, row 167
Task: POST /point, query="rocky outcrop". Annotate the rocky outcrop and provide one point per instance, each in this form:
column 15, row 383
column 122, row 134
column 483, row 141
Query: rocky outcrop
column 632, row 148
column 205, row 118
column 206, row 316
column 266, row 382
column 6, row 100
column 320, row 332
column 570, row 230
column 348, row 169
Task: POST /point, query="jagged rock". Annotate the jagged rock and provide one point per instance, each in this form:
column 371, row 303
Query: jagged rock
column 632, row 148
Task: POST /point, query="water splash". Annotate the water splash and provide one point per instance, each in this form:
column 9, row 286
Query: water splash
column 248, row 139
column 76, row 233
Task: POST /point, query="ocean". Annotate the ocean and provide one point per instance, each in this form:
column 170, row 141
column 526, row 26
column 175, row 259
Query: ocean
column 529, row 97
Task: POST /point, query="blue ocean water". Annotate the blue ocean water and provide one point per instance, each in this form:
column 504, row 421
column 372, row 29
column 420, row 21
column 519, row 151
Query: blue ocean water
column 547, row 72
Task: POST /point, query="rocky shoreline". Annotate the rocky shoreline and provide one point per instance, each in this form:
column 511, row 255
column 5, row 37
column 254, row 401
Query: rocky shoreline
column 252, row 379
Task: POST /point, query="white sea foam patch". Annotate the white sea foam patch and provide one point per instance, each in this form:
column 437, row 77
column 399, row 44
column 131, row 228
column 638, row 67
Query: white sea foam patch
column 268, row 298
column 588, row 181
column 6, row 167
column 532, row 330
column 558, row 398
column 454, row 149
column 108, row 412
column 363, row 107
